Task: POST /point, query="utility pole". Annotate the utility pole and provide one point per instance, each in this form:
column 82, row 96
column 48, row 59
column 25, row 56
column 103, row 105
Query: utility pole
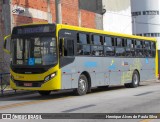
column 11, row 16
column 79, row 14
column 58, row 11
column 79, row 17
column 49, row 16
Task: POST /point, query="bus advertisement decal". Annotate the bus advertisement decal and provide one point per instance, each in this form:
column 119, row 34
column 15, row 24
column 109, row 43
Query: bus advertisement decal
column 112, row 66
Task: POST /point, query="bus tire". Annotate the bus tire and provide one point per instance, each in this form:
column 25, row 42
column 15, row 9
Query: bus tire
column 135, row 79
column 82, row 85
column 44, row 93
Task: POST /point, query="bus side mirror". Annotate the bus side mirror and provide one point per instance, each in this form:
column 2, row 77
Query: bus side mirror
column 6, row 44
column 61, row 47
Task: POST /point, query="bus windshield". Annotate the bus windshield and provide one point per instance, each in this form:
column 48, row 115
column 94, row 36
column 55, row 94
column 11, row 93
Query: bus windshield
column 34, row 51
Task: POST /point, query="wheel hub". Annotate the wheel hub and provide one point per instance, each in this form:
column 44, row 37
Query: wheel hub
column 135, row 78
column 82, row 85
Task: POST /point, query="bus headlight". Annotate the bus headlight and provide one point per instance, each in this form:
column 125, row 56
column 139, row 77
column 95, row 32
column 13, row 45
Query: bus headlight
column 49, row 77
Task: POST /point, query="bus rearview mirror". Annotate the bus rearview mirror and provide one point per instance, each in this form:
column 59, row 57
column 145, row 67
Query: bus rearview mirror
column 6, row 44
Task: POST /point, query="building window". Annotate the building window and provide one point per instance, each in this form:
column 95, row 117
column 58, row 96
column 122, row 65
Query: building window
column 136, row 13
column 152, row 12
column 152, row 34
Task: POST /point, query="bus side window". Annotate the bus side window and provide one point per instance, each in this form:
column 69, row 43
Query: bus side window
column 118, row 42
column 124, row 42
column 68, row 47
column 147, row 48
column 130, row 48
column 120, row 47
column 139, row 48
column 83, row 44
column 153, row 49
column 97, row 45
column 109, row 46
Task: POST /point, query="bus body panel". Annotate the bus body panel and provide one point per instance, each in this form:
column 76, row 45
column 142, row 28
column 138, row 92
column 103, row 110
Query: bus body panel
column 68, row 76
column 107, row 71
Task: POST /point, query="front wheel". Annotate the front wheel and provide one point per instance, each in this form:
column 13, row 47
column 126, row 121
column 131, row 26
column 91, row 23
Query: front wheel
column 82, row 85
column 44, row 93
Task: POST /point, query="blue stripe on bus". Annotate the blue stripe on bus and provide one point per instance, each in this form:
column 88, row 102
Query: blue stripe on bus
column 90, row 64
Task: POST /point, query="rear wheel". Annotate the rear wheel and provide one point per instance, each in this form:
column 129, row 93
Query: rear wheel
column 44, row 93
column 82, row 85
column 135, row 81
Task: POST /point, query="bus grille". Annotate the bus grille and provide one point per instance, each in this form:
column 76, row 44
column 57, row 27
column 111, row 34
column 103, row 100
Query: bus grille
column 29, row 70
column 28, row 83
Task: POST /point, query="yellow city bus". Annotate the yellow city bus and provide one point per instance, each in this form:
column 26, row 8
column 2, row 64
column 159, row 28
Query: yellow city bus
column 49, row 57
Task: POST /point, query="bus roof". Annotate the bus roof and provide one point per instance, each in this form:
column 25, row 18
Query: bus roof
column 63, row 26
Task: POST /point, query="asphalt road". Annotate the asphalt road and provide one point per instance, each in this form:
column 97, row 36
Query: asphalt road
column 115, row 99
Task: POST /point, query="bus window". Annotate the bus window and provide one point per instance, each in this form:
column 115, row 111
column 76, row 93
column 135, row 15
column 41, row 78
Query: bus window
column 147, row 49
column 97, row 45
column 82, row 39
column 129, row 43
column 138, row 45
column 129, row 48
column 124, row 42
column 153, row 49
column 120, row 51
column 118, row 42
column 147, row 45
column 69, row 47
column 139, row 48
column 107, row 41
column 97, row 40
column 109, row 50
column 83, row 44
column 153, row 45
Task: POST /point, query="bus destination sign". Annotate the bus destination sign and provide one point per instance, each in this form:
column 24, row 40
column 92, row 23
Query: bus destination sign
column 33, row 29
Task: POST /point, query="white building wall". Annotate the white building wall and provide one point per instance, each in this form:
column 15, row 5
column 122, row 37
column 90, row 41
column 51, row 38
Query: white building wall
column 118, row 16
column 148, row 22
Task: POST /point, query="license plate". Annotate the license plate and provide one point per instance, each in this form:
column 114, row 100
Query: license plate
column 28, row 84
